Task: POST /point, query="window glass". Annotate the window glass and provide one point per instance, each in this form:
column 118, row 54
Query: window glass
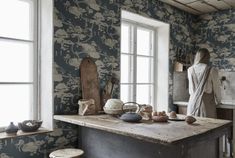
column 18, row 79
column 144, row 94
column 143, row 42
column 144, row 67
column 137, row 70
column 16, row 61
column 15, row 103
column 16, row 19
column 125, row 38
column 127, row 93
column 127, row 70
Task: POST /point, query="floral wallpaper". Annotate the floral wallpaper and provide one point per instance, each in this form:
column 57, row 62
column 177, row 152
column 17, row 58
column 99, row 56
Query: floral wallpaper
column 39, row 146
column 92, row 28
column 216, row 31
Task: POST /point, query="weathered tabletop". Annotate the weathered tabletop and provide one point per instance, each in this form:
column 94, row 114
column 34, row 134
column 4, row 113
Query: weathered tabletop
column 164, row 133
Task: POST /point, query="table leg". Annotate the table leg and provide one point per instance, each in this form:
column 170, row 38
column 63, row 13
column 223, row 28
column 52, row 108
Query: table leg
column 233, row 133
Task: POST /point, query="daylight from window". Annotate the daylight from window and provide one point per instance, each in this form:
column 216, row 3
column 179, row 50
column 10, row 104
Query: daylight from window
column 137, row 63
column 17, row 63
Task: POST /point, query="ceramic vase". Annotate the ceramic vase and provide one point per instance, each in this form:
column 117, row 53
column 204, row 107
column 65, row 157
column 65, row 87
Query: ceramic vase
column 11, row 129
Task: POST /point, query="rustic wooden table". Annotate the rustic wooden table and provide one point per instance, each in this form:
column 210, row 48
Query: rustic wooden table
column 161, row 140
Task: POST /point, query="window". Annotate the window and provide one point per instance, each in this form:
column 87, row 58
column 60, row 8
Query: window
column 18, row 61
column 153, row 46
column 137, row 63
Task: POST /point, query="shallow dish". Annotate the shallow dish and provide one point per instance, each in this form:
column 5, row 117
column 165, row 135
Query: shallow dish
column 176, row 119
column 30, row 125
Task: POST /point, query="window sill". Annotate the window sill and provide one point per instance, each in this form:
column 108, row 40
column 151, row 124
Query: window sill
column 4, row 135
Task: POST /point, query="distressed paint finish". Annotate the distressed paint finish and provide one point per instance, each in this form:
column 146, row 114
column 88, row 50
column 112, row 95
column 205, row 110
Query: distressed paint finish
column 128, row 147
column 155, row 132
column 92, row 28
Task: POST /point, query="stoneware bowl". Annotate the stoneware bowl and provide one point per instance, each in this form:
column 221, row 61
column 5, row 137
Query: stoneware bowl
column 131, row 116
column 113, row 107
column 30, row 125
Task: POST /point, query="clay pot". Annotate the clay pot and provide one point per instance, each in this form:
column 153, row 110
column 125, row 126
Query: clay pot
column 113, row 107
column 131, row 116
column 11, row 129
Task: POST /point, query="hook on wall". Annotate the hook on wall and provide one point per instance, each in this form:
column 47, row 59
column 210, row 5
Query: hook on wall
column 222, row 80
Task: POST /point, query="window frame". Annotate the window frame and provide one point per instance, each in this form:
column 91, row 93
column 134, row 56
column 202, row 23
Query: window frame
column 133, row 25
column 36, row 62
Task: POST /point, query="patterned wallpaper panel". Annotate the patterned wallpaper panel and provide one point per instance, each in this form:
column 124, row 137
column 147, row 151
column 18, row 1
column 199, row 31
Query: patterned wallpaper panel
column 39, row 146
column 216, row 31
column 92, row 28
column 83, row 28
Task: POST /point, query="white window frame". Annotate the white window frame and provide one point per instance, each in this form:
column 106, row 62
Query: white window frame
column 46, row 49
column 162, row 57
column 35, row 107
column 45, row 109
column 133, row 52
column 45, row 90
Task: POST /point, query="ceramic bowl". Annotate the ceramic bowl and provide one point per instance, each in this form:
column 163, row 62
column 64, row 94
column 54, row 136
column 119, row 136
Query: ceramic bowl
column 30, row 125
column 113, row 104
column 113, row 107
column 113, row 111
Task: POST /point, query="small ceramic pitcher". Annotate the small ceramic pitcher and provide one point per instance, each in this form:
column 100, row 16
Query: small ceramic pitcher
column 86, row 107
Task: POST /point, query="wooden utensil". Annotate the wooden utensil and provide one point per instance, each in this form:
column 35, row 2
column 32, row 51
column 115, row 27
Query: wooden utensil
column 108, row 90
column 89, row 82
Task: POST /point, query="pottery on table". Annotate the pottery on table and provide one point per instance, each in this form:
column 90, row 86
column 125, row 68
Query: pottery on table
column 113, row 107
column 30, row 125
column 11, row 129
column 131, row 116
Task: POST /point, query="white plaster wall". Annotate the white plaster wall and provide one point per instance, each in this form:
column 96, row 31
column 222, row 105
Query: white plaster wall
column 227, row 87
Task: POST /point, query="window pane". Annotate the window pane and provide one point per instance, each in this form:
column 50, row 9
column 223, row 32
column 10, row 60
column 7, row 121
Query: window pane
column 15, row 103
column 16, row 61
column 126, row 68
column 16, row 19
column 144, row 69
column 144, row 94
column 143, row 41
column 126, row 93
column 125, row 38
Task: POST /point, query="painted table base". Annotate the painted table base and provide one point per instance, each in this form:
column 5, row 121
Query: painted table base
column 100, row 144
column 104, row 136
